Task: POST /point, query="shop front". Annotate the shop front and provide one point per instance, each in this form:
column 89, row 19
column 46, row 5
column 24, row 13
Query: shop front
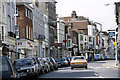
column 26, row 47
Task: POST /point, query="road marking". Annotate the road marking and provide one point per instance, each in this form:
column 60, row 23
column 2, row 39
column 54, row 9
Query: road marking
column 101, row 77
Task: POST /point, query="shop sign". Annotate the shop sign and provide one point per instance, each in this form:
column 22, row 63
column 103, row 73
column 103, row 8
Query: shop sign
column 19, row 43
column 29, row 44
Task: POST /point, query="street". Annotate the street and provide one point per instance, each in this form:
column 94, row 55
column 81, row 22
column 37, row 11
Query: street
column 96, row 69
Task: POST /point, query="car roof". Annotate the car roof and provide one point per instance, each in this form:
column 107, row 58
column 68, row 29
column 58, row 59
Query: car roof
column 22, row 59
column 78, row 56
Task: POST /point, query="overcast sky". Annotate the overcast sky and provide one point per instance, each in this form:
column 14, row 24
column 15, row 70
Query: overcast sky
column 94, row 9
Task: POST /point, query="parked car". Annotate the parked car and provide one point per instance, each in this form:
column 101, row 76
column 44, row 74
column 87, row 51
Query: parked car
column 65, row 61
column 47, row 60
column 58, row 62
column 105, row 58
column 8, row 70
column 44, row 65
column 97, row 57
column 25, row 67
column 37, row 65
column 55, row 65
column 68, row 59
column 62, row 62
column 78, row 62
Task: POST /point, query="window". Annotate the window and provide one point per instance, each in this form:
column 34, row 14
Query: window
column 2, row 33
column 26, row 12
column 81, row 37
column 81, row 46
column 29, row 34
column 4, row 10
column 16, row 11
column 9, row 24
column 90, row 39
column 69, row 43
column 26, row 31
column 90, row 46
column 0, row 36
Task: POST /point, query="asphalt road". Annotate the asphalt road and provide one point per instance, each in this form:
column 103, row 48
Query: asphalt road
column 96, row 69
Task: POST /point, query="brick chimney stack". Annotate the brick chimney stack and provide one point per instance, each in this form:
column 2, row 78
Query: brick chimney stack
column 74, row 15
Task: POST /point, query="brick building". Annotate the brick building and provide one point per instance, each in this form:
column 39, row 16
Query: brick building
column 25, row 25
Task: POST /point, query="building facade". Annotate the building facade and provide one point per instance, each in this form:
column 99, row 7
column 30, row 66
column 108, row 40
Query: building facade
column 25, row 25
column 49, row 9
column 60, row 37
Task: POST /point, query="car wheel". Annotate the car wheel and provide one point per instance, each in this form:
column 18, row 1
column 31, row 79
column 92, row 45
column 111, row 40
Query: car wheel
column 43, row 71
column 71, row 68
column 57, row 68
column 47, row 70
column 86, row 67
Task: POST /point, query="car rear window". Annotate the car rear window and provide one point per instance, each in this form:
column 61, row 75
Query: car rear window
column 24, row 62
column 75, row 58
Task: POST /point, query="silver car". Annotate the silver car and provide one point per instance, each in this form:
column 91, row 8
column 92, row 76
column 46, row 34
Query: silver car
column 25, row 67
column 44, row 65
column 47, row 60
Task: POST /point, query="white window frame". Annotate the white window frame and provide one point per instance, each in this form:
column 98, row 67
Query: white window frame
column 16, row 11
column 31, row 33
column 26, row 12
column 27, row 32
column 69, row 46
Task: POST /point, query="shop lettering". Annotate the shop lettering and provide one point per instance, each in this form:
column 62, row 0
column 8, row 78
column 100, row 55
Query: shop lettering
column 19, row 43
column 29, row 44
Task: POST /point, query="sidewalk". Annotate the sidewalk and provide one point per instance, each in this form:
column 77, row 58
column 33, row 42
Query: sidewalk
column 111, row 65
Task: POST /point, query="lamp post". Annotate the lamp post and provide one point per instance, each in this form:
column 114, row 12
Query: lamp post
column 16, row 29
column 116, row 49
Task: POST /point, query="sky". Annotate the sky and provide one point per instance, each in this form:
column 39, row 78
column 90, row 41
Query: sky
column 95, row 10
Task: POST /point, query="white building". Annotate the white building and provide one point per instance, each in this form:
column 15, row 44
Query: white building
column 46, row 50
column 41, row 32
column 60, row 38
column 3, row 22
column 7, row 26
column 38, row 31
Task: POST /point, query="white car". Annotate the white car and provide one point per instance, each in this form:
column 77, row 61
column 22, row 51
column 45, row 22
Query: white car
column 78, row 62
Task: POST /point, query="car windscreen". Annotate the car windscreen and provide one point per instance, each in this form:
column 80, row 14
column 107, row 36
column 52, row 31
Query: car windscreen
column 24, row 62
column 75, row 58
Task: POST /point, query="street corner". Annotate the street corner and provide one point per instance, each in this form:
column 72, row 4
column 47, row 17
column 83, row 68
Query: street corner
column 110, row 65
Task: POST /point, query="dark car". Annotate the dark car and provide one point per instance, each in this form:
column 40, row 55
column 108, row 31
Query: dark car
column 68, row 59
column 58, row 62
column 55, row 65
column 25, row 67
column 8, row 70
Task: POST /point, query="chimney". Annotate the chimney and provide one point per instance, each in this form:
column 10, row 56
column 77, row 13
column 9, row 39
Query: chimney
column 74, row 15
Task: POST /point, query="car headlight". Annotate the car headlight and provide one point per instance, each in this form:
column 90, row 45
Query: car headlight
column 28, row 70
